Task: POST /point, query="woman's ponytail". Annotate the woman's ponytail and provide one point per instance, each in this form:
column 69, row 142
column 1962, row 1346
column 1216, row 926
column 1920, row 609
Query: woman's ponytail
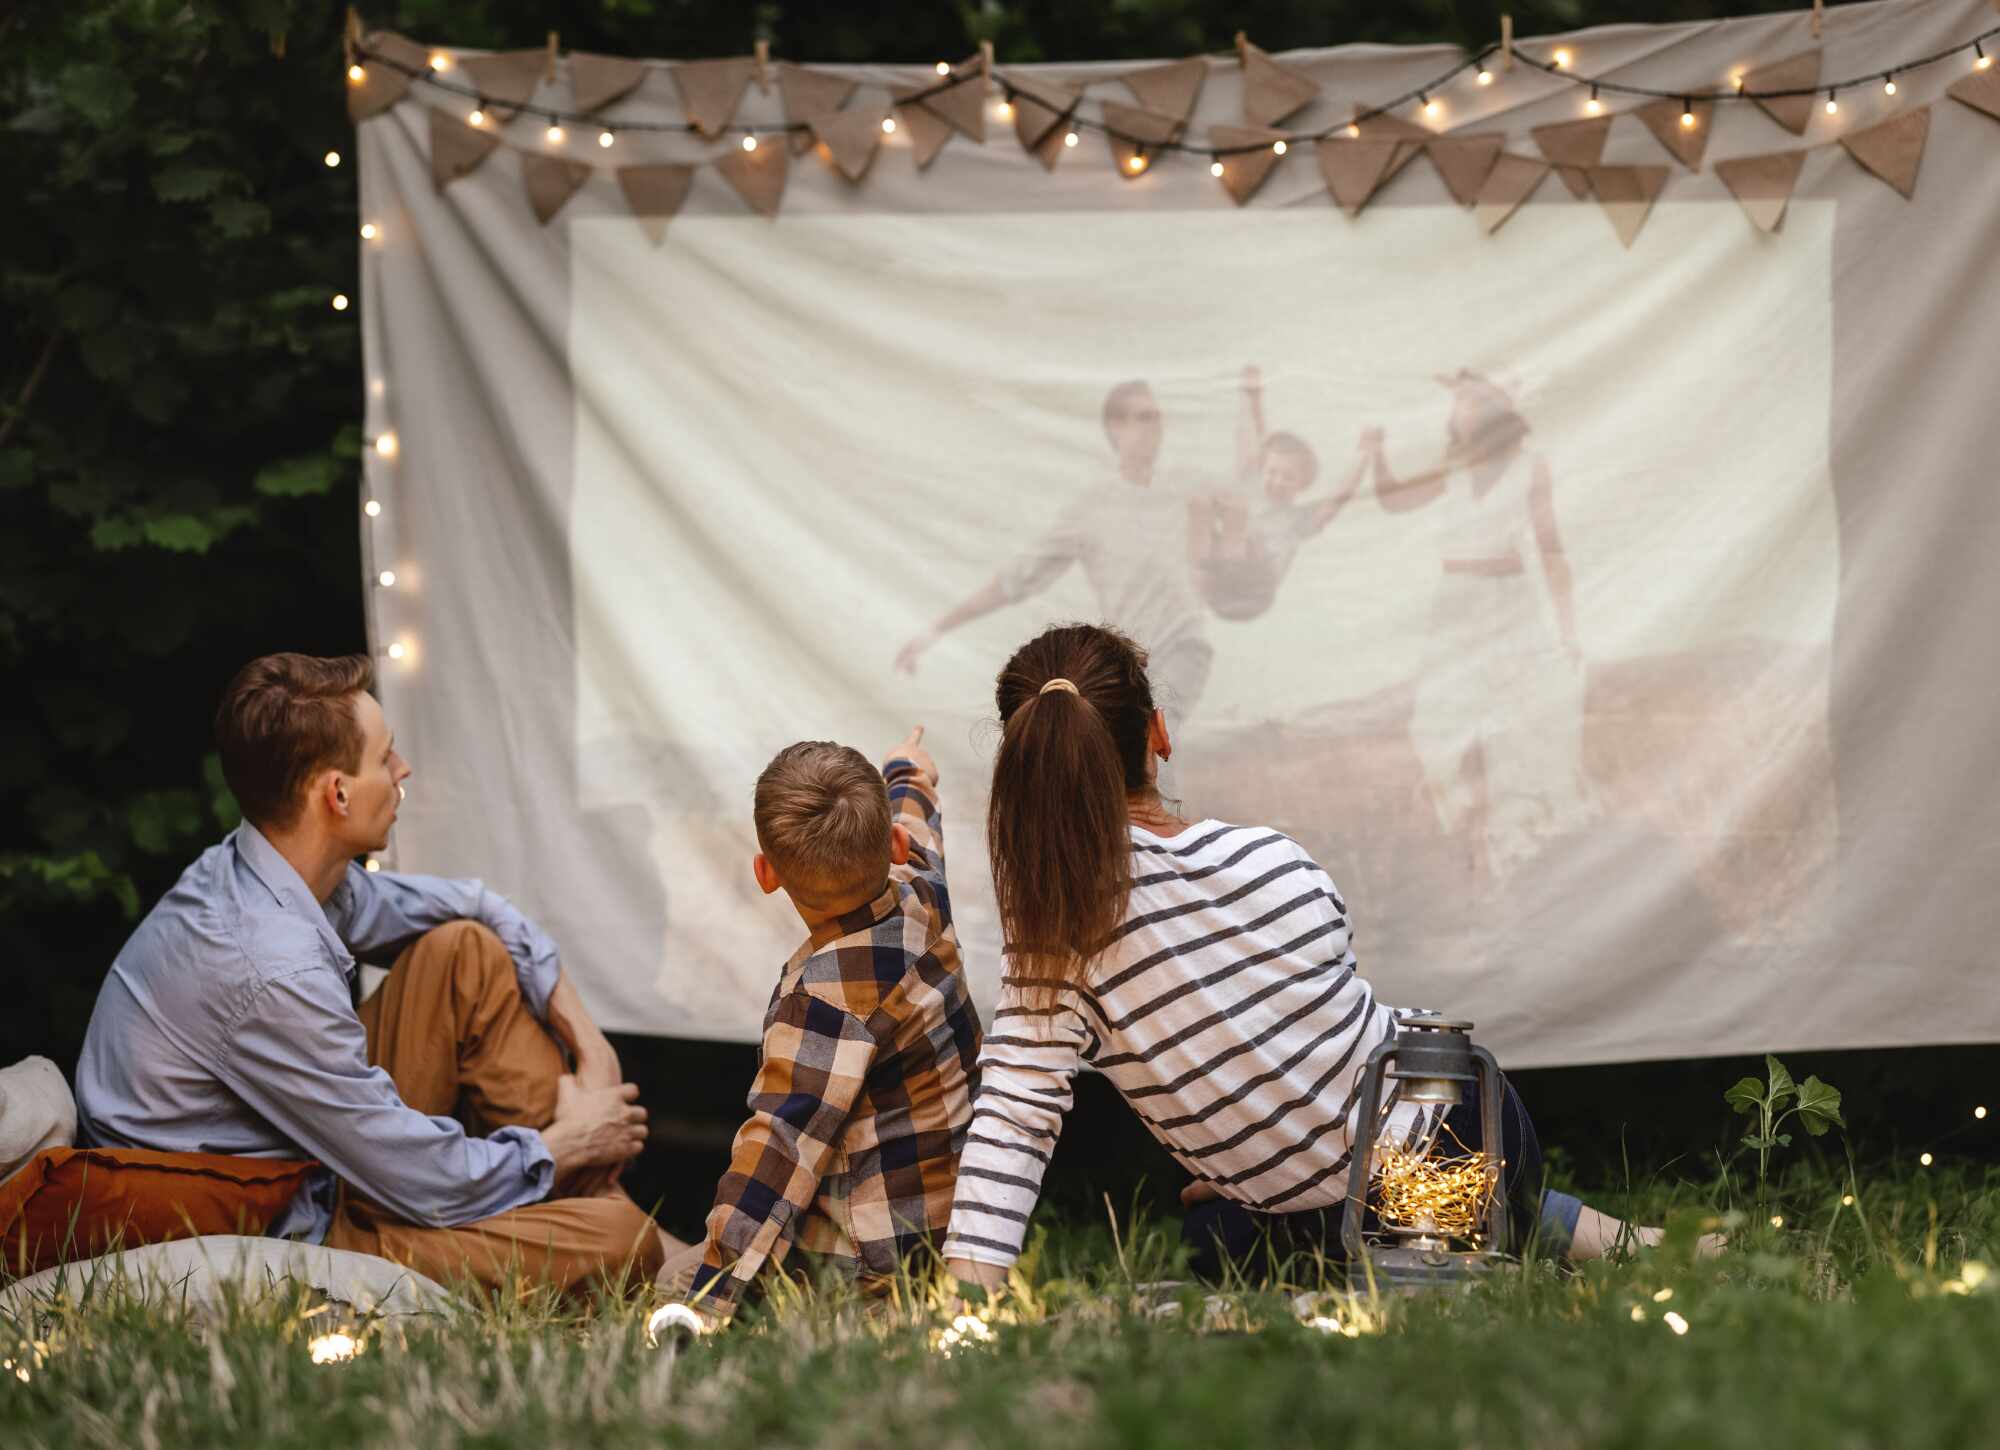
column 1056, row 826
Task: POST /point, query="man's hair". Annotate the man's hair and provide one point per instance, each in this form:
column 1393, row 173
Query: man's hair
column 1290, row 444
column 822, row 816
column 283, row 719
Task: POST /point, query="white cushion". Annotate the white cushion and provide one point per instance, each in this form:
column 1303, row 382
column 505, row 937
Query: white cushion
column 37, row 1111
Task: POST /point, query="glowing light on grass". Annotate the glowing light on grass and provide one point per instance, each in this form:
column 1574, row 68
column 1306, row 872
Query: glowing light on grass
column 1924, row 1159
column 965, row 1330
column 1847, row 1200
column 1777, row 1220
column 1638, row 1314
column 1663, row 1296
column 1675, row 1322
column 334, row 1348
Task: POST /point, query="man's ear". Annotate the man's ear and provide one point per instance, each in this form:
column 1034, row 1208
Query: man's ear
column 765, row 872
column 329, row 788
column 1157, row 739
column 899, row 845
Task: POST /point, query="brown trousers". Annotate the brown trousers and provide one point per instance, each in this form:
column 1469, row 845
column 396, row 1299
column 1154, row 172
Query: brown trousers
column 451, row 1028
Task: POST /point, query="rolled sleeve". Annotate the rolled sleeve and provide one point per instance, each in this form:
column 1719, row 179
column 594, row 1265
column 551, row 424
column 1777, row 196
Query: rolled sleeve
column 378, row 912
column 297, row 1055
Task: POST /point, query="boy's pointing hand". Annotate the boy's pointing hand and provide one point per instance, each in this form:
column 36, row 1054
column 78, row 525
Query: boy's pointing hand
column 912, row 750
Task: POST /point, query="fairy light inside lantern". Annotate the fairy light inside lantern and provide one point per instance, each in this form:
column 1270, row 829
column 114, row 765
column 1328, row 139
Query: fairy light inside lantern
column 1442, row 1217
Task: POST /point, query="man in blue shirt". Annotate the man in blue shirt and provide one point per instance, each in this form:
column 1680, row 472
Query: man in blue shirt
column 229, row 1022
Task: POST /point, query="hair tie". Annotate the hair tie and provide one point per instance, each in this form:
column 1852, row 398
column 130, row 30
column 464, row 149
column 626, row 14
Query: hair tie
column 1059, row 683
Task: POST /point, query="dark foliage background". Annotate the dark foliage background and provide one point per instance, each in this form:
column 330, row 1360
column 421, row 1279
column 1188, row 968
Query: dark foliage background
column 179, row 443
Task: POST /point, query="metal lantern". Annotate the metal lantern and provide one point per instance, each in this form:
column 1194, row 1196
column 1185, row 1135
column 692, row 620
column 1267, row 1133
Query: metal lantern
column 1432, row 1059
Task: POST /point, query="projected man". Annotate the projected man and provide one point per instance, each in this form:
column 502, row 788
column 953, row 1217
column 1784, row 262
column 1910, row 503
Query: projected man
column 1130, row 535
column 1502, row 679
column 229, row 1024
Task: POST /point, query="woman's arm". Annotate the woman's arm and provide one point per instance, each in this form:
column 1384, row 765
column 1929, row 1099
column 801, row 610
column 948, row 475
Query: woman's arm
column 1555, row 562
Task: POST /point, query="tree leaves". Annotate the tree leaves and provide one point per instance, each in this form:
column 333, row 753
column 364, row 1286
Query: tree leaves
column 161, row 819
column 185, row 181
column 309, row 473
column 99, row 93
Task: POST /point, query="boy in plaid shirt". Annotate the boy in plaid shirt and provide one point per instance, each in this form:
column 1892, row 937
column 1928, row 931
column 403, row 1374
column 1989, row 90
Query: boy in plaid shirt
column 864, row 1091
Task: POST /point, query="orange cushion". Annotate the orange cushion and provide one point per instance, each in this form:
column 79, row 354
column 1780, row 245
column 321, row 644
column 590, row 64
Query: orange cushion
column 74, row 1203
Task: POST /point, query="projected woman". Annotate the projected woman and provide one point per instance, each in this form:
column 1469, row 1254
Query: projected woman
column 1502, row 682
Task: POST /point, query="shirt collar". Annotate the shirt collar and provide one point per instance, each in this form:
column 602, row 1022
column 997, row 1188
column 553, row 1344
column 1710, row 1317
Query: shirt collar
column 282, row 880
column 852, row 923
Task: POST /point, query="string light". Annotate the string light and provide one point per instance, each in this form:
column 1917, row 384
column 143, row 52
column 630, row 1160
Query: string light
column 1980, row 59
column 1687, row 115
column 1593, row 105
column 333, row 1348
column 1888, row 85
column 369, row 231
column 1924, row 1159
column 1136, row 162
column 1663, row 1296
column 1562, row 59
column 1277, row 148
column 888, row 125
column 1675, row 1322
column 1431, row 107
column 1354, row 130
column 749, row 143
column 1777, row 1220
column 476, row 117
column 440, row 62
column 373, row 508
column 1442, row 1195
column 605, row 139
column 1847, row 1200
column 943, row 67
column 1832, row 104
column 340, row 302
column 1736, row 79
column 386, row 445
column 555, row 134
column 332, row 160
column 356, row 75
column 1979, row 1112
column 1070, row 138
column 387, row 578
column 1485, row 76
column 1006, row 109
column 398, row 650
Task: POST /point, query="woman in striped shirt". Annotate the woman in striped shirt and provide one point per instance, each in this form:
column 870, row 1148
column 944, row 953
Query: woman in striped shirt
column 1221, row 998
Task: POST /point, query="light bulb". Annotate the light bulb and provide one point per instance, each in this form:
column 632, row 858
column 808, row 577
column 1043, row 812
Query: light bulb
column 373, row 508
column 555, row 134
column 1354, row 130
column 332, row 160
column 340, row 302
column 944, row 67
column 1562, row 59
column 398, row 650
column 440, row 61
column 1888, row 86
column 386, row 445
column 1777, row 1220
column 1135, row 163
column 1924, row 1159
column 356, row 75
column 1979, row 1112
column 1070, row 138
column 387, row 578
column 888, row 125
column 1277, row 148
column 1687, row 119
column 369, row 231
column 1593, row 105
column 1431, row 109
column 1980, row 59
column 1215, row 168
column 605, row 138
column 1847, row 1200
column 476, row 117
column 1485, row 76
column 1006, row 110
column 749, row 143
column 1832, row 106
column 373, row 864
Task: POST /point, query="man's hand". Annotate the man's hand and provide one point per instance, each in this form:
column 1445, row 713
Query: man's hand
column 907, row 656
column 595, row 1058
column 594, row 1128
column 912, row 750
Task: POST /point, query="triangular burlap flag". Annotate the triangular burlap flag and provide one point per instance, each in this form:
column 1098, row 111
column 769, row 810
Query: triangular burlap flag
column 1980, row 90
column 809, row 95
column 655, row 194
column 1354, row 170
column 1051, row 148
column 1801, row 73
column 551, row 181
column 1464, row 161
column 1039, row 108
column 507, row 81
column 457, row 148
column 1627, row 194
column 1512, row 181
column 1271, row 89
column 390, row 66
column 1135, row 134
column 1170, row 89
column 758, row 176
column 963, row 102
column 927, row 130
column 598, row 80
column 1684, row 143
column 1763, row 184
column 1244, row 171
column 1573, row 146
column 851, row 138
column 711, row 90
column 1411, row 137
column 1893, row 150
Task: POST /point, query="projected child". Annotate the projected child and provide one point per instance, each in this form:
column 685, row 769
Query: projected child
column 1502, row 679
column 1129, row 534
column 1239, row 547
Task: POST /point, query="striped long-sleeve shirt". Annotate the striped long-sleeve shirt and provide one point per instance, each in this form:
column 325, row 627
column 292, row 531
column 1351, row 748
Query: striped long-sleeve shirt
column 1229, row 1014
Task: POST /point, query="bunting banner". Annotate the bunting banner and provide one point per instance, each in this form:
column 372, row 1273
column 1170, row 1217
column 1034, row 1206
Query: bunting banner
column 1592, row 576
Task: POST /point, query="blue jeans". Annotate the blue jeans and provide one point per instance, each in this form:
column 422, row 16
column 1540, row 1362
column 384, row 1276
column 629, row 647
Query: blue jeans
column 1221, row 1230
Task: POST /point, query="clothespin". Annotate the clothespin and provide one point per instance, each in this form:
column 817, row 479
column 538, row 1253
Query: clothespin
column 554, row 42
column 278, row 44
column 1242, row 40
column 1506, row 42
column 762, row 52
column 986, row 67
column 1819, row 8
column 350, row 37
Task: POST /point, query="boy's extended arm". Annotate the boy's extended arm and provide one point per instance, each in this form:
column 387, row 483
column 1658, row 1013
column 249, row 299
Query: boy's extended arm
column 815, row 1060
column 913, row 795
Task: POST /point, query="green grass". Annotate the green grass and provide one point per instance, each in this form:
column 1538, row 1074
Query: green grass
column 1852, row 1325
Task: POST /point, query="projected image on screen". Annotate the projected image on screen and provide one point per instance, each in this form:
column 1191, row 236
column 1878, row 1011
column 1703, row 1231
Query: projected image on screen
column 1442, row 555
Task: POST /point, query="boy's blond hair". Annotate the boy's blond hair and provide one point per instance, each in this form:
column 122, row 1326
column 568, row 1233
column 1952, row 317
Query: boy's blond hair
column 822, row 817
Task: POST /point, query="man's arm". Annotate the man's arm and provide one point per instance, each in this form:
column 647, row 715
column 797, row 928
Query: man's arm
column 379, row 912
column 1031, row 573
column 815, row 1061
column 1250, row 425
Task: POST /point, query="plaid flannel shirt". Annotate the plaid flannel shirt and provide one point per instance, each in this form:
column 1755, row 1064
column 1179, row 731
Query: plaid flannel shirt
column 864, row 1087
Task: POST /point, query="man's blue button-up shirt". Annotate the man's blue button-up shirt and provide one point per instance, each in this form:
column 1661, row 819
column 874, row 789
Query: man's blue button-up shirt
column 227, row 1025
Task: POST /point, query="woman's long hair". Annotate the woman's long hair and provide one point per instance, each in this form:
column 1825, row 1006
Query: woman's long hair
column 1056, row 827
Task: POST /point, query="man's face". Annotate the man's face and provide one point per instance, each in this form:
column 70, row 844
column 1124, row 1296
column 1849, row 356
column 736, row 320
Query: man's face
column 1135, row 429
column 375, row 788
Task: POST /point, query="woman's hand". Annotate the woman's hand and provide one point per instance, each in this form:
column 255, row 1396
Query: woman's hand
column 971, row 1271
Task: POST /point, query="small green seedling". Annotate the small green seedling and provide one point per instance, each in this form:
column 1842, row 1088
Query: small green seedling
column 1812, row 1102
